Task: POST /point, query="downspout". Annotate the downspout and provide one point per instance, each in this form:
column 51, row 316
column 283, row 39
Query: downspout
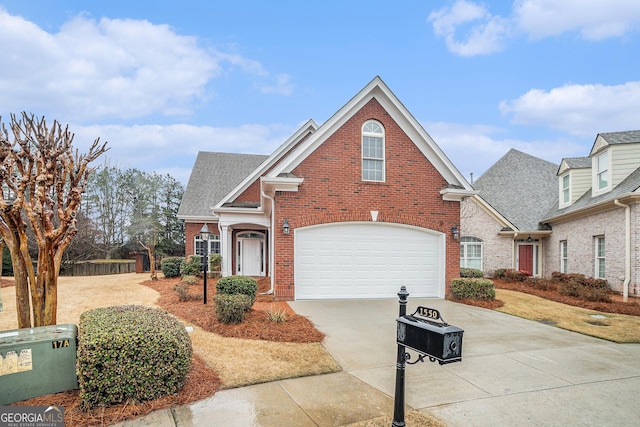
column 271, row 242
column 627, row 247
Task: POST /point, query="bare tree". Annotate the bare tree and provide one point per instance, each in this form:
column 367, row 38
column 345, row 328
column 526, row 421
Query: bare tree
column 42, row 180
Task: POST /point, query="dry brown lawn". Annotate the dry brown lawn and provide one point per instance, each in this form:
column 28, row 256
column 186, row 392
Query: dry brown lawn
column 219, row 361
column 619, row 328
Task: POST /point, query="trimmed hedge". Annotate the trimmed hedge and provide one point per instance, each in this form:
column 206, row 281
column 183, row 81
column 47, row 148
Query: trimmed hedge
column 473, row 288
column 170, row 266
column 232, row 308
column 232, row 285
column 587, row 288
column 130, row 353
column 471, row 272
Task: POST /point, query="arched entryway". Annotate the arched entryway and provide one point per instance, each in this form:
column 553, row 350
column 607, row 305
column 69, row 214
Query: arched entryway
column 250, row 254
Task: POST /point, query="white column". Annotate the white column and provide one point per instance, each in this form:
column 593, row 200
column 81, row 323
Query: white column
column 226, row 250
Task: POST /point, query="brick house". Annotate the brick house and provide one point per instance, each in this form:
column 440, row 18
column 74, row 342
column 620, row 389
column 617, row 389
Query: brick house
column 577, row 217
column 354, row 208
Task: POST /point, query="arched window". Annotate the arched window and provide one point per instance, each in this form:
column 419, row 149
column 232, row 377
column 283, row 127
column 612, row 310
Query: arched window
column 372, row 151
column 470, row 253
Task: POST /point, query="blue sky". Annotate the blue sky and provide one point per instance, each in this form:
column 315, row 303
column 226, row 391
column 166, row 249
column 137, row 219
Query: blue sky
column 162, row 80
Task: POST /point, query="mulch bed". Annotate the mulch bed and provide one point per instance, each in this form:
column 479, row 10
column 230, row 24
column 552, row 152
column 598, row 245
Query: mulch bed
column 296, row 329
column 632, row 307
column 202, row 381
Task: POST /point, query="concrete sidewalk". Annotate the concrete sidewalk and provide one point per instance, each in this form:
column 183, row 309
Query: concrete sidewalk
column 514, row 372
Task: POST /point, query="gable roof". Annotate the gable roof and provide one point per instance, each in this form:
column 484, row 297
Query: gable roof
column 611, row 138
column 305, row 130
column 574, row 163
column 213, row 176
column 379, row 90
column 520, row 187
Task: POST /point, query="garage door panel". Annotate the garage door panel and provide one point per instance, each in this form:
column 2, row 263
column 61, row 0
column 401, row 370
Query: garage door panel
column 367, row 260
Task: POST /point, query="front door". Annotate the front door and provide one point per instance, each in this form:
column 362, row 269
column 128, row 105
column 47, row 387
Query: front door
column 525, row 258
column 251, row 251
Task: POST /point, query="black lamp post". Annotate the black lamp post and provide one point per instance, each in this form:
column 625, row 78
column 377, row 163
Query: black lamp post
column 204, row 236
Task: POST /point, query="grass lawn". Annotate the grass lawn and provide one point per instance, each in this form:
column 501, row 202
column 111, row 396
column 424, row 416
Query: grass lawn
column 618, row 328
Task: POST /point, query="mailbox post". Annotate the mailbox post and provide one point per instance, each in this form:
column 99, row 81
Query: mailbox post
column 398, row 403
column 425, row 332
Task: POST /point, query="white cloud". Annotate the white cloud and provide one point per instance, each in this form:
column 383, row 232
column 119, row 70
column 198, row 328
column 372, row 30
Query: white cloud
column 111, row 69
column 470, row 29
column 475, row 148
column 161, row 147
column 486, row 33
column 578, row 109
column 594, row 19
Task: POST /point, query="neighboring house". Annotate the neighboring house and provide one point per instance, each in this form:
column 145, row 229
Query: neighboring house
column 500, row 225
column 355, row 208
column 582, row 218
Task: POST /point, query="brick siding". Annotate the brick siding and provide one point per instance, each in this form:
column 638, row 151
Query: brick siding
column 333, row 191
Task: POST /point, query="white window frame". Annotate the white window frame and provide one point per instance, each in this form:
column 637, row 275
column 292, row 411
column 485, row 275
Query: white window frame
column 602, row 177
column 565, row 190
column 212, row 248
column 600, row 257
column 465, row 243
column 564, row 259
column 373, row 129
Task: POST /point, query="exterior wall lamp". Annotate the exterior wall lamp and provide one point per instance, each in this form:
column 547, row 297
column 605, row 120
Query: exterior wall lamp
column 456, row 232
column 285, row 227
column 204, row 236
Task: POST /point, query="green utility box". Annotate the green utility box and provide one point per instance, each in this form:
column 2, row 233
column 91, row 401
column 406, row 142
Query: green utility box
column 37, row 361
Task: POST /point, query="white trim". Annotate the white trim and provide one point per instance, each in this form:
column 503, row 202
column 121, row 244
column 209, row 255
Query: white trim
column 240, row 246
column 382, row 159
column 595, row 184
column 308, row 128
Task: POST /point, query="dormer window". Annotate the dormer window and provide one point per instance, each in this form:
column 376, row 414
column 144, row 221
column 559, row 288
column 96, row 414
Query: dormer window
column 602, row 171
column 373, row 151
column 565, row 190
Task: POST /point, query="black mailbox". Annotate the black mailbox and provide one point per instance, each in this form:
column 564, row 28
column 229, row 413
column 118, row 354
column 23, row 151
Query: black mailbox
column 438, row 340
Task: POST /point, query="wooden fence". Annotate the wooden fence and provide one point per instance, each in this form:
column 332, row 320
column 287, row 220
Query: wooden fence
column 98, row 268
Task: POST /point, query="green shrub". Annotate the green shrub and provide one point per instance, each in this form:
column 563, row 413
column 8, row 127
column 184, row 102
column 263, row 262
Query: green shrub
column 170, row 266
column 215, row 262
column 541, row 283
column 191, row 266
column 183, row 293
column 473, row 288
column 516, row 275
column 189, row 280
column 232, row 308
column 471, row 272
column 232, row 285
column 277, row 314
column 499, row 273
column 587, row 288
column 130, row 353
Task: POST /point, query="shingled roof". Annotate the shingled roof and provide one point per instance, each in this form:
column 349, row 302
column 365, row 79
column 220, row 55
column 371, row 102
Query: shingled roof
column 520, row 187
column 626, row 137
column 213, row 176
column 629, row 185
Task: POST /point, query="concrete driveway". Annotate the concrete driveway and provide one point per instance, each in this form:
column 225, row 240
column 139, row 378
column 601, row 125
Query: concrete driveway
column 514, row 372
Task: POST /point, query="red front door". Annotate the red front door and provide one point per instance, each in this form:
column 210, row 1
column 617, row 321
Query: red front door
column 525, row 258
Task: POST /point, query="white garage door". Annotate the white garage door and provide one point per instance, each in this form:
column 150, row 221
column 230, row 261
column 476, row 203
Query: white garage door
column 367, row 260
